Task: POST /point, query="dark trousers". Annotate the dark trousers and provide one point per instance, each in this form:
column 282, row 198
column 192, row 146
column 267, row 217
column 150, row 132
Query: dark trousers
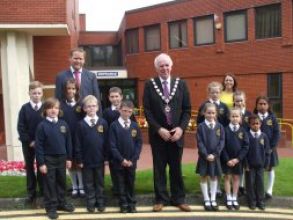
column 125, row 181
column 32, row 180
column 168, row 154
column 54, row 182
column 114, row 180
column 93, row 180
column 254, row 181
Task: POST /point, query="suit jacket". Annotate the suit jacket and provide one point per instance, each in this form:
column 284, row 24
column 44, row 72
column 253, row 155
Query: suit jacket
column 89, row 84
column 155, row 114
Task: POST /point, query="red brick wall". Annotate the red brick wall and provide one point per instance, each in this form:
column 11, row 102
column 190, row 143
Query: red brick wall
column 98, row 38
column 82, row 22
column 250, row 60
column 33, row 11
column 50, row 57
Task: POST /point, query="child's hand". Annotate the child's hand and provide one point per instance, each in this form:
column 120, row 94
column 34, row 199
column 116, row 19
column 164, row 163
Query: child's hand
column 80, row 165
column 43, row 169
column 130, row 164
column 230, row 163
column 124, row 163
column 210, row 157
column 235, row 161
column 68, row 164
column 32, row 144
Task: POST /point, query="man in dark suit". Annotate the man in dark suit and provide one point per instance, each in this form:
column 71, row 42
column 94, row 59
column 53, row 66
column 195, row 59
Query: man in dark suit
column 167, row 109
column 86, row 81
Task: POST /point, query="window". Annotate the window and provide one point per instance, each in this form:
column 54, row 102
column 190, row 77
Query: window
column 177, row 34
column 132, row 41
column 152, row 38
column 204, row 30
column 275, row 93
column 101, row 56
column 235, row 26
column 268, row 21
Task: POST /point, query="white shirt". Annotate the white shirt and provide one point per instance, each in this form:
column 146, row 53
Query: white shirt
column 215, row 102
column 72, row 103
column 208, row 123
column 122, row 122
column 232, row 127
column 114, row 108
column 51, row 119
column 88, row 119
column 263, row 116
column 39, row 104
column 253, row 133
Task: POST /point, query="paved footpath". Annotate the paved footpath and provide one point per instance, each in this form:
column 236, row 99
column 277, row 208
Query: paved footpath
column 145, row 212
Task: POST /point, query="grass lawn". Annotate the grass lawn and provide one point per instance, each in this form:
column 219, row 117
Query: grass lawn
column 13, row 186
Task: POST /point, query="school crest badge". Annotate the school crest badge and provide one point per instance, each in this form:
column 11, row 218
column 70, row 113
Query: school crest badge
column 62, row 129
column 246, row 119
column 218, row 132
column 100, row 129
column 78, row 109
column 269, row 122
column 133, row 132
column 262, row 141
column 240, row 135
column 61, row 113
column 221, row 111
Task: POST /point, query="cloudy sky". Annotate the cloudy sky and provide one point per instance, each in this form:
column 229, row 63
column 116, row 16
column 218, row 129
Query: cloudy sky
column 106, row 15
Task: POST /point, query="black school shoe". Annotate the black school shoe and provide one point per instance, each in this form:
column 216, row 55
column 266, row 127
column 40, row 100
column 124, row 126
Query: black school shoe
column 123, row 209
column 241, row 191
column 268, row 196
column 132, row 209
column 90, row 209
column 52, row 214
column 215, row 206
column 207, row 206
column 229, row 205
column 67, row 207
column 236, row 205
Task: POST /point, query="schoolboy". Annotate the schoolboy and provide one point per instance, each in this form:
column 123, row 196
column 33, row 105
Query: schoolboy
column 91, row 138
column 54, row 155
column 28, row 119
column 126, row 142
column 256, row 161
column 214, row 91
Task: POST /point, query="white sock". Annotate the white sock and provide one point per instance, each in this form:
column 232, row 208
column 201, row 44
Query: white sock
column 229, row 197
column 79, row 177
column 234, row 197
column 73, row 177
column 213, row 186
column 271, row 181
column 204, row 190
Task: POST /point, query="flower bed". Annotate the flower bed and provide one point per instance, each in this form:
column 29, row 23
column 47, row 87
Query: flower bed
column 12, row 168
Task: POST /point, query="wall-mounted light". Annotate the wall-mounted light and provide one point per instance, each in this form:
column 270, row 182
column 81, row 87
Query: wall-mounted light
column 218, row 24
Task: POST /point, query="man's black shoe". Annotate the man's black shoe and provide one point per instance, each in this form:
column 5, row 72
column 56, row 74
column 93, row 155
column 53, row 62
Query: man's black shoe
column 66, row 207
column 132, row 209
column 52, row 214
column 123, row 209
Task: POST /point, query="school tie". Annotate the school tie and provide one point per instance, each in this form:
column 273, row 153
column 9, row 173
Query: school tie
column 234, row 128
column 166, row 94
column 255, row 135
column 263, row 117
column 77, row 78
column 93, row 122
column 36, row 107
column 211, row 126
column 125, row 125
column 54, row 121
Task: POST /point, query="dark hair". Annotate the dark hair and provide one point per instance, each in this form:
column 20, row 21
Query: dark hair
column 50, row 103
column 255, row 111
column 35, row 84
column 208, row 105
column 73, row 82
column 253, row 117
column 234, row 79
column 77, row 49
column 126, row 103
column 116, row 90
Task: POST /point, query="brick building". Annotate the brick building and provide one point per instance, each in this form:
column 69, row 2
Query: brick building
column 205, row 38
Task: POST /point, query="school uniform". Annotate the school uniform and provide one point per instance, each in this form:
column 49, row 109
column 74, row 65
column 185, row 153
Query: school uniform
column 53, row 149
column 91, row 152
column 236, row 146
column 222, row 109
column 257, row 159
column 126, row 143
column 245, row 119
column 209, row 141
column 30, row 115
column 271, row 128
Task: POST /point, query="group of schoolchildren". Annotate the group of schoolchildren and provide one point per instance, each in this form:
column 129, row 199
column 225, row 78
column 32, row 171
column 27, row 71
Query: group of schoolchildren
column 70, row 134
column 239, row 144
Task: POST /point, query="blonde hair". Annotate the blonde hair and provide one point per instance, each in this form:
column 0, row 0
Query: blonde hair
column 89, row 98
column 35, row 84
column 214, row 84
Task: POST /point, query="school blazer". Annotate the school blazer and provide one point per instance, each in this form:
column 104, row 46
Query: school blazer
column 154, row 109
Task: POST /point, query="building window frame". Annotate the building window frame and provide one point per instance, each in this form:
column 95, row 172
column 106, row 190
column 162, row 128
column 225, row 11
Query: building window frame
column 181, row 25
column 132, row 41
column 265, row 26
column 147, row 29
column 201, row 18
column 274, row 91
column 226, row 15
